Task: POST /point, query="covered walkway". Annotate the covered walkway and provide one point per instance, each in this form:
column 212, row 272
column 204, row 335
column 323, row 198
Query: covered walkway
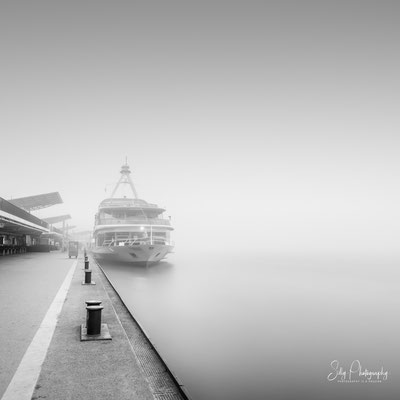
column 19, row 230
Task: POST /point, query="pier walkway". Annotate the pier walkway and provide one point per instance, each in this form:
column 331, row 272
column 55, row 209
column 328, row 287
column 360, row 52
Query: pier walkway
column 42, row 293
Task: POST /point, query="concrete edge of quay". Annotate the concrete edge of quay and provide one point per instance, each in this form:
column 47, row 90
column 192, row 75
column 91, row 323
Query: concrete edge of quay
column 126, row 367
column 124, row 309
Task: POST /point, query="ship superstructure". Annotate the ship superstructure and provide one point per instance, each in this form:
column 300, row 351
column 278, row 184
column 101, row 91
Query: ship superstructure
column 131, row 229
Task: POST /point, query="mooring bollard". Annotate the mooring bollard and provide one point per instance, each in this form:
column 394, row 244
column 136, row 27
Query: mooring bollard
column 94, row 329
column 93, row 320
column 86, row 263
column 93, row 302
column 88, row 276
column 90, row 303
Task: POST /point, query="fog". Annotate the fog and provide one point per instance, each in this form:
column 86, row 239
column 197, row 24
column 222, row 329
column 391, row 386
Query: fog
column 268, row 326
column 269, row 124
column 264, row 128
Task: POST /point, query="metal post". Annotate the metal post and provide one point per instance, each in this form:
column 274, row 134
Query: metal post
column 93, row 320
column 88, row 276
column 93, row 302
column 86, row 263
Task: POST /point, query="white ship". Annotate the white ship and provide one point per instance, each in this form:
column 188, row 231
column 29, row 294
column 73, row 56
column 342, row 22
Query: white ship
column 130, row 229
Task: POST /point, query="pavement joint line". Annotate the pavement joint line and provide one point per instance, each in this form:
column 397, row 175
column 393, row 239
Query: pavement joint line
column 25, row 378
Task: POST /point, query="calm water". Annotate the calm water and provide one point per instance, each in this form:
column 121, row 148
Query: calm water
column 268, row 327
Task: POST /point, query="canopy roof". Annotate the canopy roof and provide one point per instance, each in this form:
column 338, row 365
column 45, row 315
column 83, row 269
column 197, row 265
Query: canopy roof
column 37, row 202
column 58, row 218
column 16, row 220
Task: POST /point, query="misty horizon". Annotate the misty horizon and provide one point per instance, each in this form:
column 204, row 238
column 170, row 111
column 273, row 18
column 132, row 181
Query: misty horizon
column 269, row 131
column 280, row 117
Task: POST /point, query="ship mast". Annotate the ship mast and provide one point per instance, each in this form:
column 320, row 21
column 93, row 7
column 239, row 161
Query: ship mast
column 125, row 179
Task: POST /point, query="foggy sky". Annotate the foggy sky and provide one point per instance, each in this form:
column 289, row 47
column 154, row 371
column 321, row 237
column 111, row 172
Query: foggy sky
column 269, row 124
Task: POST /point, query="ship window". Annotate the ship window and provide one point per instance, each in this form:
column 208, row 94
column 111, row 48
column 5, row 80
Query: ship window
column 159, row 234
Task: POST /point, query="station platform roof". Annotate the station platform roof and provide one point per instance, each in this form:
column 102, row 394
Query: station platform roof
column 56, row 230
column 58, row 218
column 37, row 202
column 18, row 221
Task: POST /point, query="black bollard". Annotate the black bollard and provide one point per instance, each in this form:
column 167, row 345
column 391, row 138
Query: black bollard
column 93, row 302
column 93, row 320
column 88, row 276
column 94, row 329
column 86, row 263
column 90, row 303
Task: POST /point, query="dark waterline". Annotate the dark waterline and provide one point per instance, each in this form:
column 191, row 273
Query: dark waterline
column 268, row 327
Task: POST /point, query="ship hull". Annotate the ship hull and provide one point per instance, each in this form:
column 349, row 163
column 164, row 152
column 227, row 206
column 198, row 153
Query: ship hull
column 143, row 254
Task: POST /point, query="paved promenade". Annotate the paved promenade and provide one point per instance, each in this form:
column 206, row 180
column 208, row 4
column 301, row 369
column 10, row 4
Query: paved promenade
column 39, row 290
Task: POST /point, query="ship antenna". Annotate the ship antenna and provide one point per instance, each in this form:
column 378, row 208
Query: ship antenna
column 125, row 178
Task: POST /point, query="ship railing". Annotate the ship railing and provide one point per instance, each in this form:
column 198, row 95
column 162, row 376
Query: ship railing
column 143, row 221
column 119, row 203
column 136, row 241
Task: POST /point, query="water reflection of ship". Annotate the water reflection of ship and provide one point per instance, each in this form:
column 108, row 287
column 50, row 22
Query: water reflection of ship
column 131, row 229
